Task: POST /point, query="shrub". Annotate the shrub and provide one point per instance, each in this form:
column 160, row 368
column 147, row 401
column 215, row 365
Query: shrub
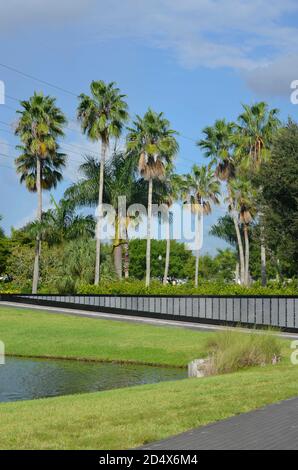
column 231, row 350
column 136, row 287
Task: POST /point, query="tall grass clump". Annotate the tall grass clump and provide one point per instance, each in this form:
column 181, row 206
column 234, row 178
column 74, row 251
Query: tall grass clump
column 232, row 350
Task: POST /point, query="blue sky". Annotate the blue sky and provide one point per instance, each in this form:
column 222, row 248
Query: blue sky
column 195, row 60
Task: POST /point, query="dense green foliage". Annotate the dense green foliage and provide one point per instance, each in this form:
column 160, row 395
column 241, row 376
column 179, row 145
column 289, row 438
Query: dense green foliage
column 62, row 268
column 205, row 288
column 279, row 180
column 252, row 167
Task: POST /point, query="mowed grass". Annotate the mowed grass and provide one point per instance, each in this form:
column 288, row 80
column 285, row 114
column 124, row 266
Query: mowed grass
column 36, row 333
column 127, row 418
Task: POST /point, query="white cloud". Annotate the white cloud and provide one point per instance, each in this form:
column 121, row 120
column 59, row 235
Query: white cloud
column 274, row 78
column 253, row 36
column 211, row 33
column 22, row 14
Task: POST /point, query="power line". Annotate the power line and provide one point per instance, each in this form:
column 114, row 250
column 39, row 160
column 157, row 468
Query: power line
column 66, row 127
column 31, row 77
column 87, row 150
column 61, row 144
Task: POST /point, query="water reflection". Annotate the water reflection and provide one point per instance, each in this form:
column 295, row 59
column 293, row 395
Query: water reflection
column 26, row 379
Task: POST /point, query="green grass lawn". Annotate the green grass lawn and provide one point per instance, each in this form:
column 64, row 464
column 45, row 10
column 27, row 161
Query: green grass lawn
column 127, row 418
column 32, row 333
column 130, row 417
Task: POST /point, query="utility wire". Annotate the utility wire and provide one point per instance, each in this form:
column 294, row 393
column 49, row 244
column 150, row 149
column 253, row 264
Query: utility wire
column 57, row 87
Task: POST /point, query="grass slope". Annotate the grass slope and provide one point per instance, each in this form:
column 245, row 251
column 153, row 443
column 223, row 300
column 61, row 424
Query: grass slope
column 127, row 418
column 34, row 333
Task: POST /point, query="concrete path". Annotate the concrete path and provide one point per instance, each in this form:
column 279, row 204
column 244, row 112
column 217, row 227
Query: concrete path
column 130, row 318
column 273, row 427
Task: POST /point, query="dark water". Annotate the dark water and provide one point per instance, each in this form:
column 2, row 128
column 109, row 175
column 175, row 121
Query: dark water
column 26, row 379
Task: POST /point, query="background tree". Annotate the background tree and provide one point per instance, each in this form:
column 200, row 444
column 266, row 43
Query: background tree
column 244, row 196
column 1, row 229
column 257, row 127
column 181, row 265
column 201, row 189
column 40, row 125
column 5, row 249
column 220, row 146
column 154, row 143
column 60, row 224
column 120, row 180
column 278, row 179
column 166, row 192
column 102, row 116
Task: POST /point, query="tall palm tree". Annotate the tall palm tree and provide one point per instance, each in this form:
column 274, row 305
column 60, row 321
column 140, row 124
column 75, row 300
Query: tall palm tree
column 244, row 197
column 257, row 126
column 39, row 127
column 220, row 144
column 62, row 223
column 202, row 188
column 154, row 143
column 166, row 192
column 120, row 180
column 102, row 116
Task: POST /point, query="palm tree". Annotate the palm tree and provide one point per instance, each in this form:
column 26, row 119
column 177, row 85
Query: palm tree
column 58, row 225
column 166, row 192
column 244, row 196
column 220, row 145
column 257, row 126
column 102, row 116
column 120, row 180
column 63, row 224
column 154, row 143
column 202, row 188
column 40, row 125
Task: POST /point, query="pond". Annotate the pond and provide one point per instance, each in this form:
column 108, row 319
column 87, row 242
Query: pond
column 26, row 379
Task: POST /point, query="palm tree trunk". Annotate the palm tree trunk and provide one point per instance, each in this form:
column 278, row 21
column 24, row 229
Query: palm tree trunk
column 39, row 215
column 168, row 249
column 126, row 258
column 197, row 252
column 148, row 248
column 240, row 248
column 246, row 239
column 197, row 268
column 117, row 249
column 263, row 257
column 99, row 218
column 238, row 236
column 118, row 260
column 237, row 273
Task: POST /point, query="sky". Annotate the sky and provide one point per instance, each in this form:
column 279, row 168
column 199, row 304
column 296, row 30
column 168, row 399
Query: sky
column 195, row 60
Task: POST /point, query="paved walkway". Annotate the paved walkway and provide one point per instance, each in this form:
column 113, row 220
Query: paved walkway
column 273, row 427
column 130, row 318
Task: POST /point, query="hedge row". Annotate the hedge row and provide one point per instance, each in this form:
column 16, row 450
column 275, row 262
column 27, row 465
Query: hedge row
column 135, row 287
column 210, row 288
